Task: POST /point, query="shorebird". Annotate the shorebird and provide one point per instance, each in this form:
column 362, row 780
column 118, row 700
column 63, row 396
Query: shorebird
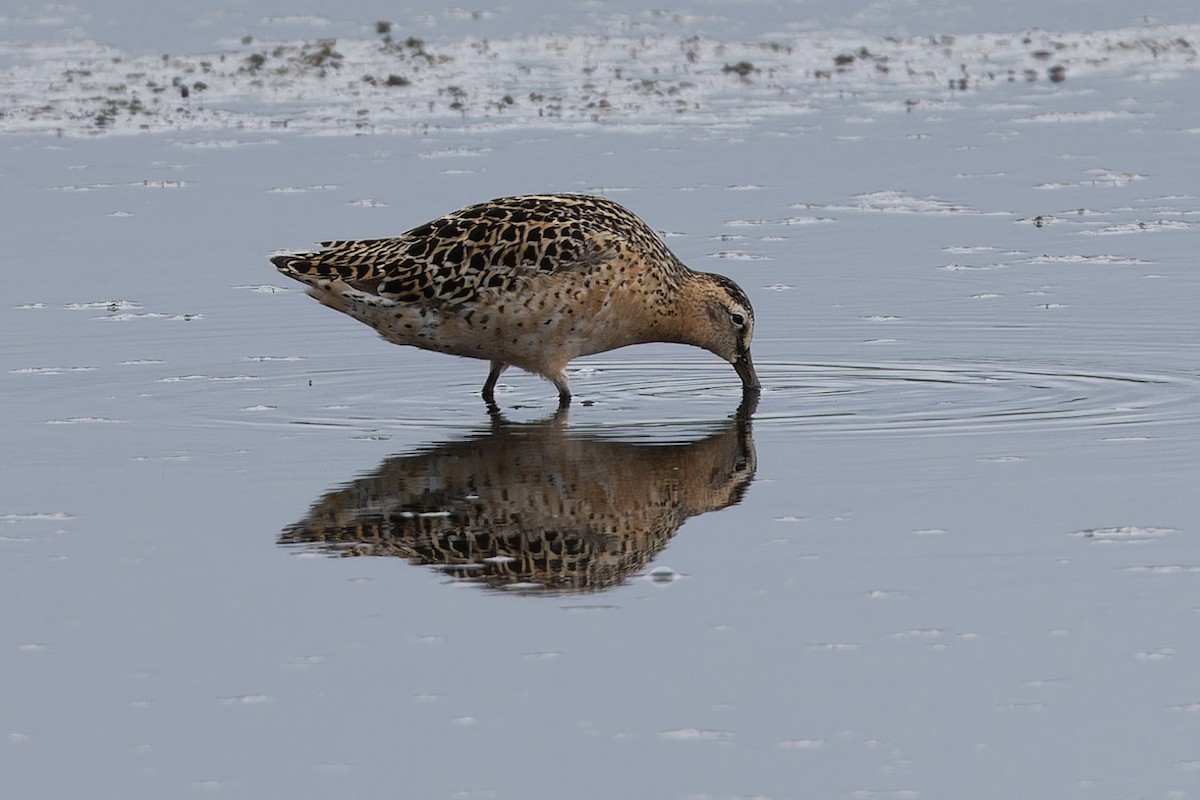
column 531, row 282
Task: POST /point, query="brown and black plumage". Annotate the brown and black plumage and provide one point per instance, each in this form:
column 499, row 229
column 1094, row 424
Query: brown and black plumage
column 531, row 282
column 534, row 503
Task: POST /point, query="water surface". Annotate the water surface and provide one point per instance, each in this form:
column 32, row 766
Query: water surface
column 949, row 554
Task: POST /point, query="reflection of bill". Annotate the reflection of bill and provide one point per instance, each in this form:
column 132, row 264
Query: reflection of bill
column 533, row 503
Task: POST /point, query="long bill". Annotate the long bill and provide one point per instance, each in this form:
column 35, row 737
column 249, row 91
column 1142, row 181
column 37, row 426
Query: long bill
column 745, row 370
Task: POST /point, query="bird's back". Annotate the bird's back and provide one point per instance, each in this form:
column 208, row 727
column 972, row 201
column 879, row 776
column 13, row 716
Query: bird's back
column 496, row 245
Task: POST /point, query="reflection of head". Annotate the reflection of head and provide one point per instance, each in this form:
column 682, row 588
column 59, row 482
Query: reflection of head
column 533, row 503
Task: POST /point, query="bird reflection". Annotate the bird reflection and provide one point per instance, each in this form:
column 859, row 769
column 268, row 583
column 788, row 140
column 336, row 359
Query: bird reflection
column 533, row 506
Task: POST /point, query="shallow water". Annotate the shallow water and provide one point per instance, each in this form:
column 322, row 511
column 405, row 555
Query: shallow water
column 950, row 553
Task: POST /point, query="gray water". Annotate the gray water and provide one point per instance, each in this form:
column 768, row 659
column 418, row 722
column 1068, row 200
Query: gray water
column 948, row 554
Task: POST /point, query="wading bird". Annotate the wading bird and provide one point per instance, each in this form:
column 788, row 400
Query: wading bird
column 531, row 282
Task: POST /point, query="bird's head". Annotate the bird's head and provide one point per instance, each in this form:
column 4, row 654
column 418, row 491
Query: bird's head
column 724, row 324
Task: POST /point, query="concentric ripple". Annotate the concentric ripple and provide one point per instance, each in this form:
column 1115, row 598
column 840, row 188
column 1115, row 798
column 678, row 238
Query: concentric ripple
column 661, row 399
column 947, row 397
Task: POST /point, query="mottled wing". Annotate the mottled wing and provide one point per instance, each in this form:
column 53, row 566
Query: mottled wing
column 493, row 246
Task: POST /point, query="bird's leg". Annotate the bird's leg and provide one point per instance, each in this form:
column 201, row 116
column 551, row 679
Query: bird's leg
column 489, row 386
column 564, row 389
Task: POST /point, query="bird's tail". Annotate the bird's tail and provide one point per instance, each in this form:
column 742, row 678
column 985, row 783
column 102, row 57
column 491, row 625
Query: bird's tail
column 298, row 266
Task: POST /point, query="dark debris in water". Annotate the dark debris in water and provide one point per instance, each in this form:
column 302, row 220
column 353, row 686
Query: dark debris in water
column 741, row 68
column 648, row 79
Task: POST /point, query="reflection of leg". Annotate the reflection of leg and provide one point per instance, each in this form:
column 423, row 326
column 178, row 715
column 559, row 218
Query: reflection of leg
column 556, row 421
column 489, row 386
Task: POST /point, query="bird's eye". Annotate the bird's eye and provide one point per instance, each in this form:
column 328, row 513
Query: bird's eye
column 738, row 319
